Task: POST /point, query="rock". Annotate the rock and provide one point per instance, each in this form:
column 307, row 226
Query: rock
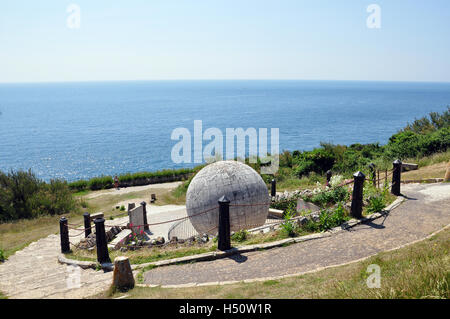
column 174, row 240
column 315, row 217
column 205, row 238
column 302, row 221
column 306, row 206
column 123, row 278
column 160, row 240
column 123, row 249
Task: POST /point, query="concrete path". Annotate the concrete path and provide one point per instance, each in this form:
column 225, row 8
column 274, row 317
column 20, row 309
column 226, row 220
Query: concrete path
column 35, row 273
column 126, row 190
column 427, row 210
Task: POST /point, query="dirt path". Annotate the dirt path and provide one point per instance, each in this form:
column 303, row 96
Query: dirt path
column 427, row 210
column 121, row 191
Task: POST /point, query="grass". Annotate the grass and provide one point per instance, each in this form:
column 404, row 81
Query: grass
column 12, row 234
column 146, row 255
column 2, row 296
column 420, row 270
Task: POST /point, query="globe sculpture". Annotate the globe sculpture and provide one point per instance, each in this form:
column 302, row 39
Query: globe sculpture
column 240, row 183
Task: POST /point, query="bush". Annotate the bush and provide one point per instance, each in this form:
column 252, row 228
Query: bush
column 23, row 195
column 331, row 196
column 78, row 186
column 375, row 204
column 328, row 219
column 102, row 182
column 319, row 160
column 2, row 256
column 288, row 227
column 240, row 236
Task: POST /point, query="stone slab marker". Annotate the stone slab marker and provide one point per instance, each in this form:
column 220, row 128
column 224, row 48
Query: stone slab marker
column 123, row 275
column 137, row 218
column 306, row 206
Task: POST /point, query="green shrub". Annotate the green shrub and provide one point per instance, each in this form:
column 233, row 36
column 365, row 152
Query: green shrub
column 122, row 208
column 318, row 160
column 23, row 195
column 375, row 204
column 79, row 186
column 102, row 182
column 2, row 256
column 332, row 196
column 240, row 236
column 288, row 227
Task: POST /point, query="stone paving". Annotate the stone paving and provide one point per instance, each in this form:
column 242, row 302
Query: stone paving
column 34, row 272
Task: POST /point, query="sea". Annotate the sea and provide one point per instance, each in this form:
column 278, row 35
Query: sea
column 79, row 130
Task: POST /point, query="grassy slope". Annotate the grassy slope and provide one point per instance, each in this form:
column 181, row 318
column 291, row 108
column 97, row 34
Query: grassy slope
column 420, row 270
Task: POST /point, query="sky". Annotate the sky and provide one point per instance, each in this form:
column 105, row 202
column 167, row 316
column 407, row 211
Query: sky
column 224, row 39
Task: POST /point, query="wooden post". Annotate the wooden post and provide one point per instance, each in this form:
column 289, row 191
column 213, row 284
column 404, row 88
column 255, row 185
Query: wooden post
column 273, row 188
column 373, row 174
column 396, row 177
column 224, row 224
column 329, row 173
column 144, row 205
column 102, row 245
column 357, row 197
column 64, row 234
column 378, row 178
column 123, row 278
column 385, row 176
column 87, row 224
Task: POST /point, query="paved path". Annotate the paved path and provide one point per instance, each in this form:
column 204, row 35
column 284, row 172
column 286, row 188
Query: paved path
column 35, row 273
column 427, row 210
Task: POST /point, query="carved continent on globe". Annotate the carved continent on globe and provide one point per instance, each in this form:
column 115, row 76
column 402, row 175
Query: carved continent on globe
column 240, row 183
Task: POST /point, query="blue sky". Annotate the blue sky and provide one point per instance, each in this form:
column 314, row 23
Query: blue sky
column 224, row 39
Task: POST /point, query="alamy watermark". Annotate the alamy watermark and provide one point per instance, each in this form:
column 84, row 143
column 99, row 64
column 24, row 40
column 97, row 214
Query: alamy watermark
column 74, row 277
column 235, row 139
column 374, row 279
column 374, row 19
column 74, row 19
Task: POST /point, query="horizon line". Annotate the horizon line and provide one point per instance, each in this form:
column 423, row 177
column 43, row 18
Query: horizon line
column 206, row 79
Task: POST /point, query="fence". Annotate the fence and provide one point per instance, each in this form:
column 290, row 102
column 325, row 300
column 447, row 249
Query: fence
column 184, row 229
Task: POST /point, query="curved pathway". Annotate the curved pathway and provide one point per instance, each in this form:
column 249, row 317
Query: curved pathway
column 34, row 272
column 426, row 211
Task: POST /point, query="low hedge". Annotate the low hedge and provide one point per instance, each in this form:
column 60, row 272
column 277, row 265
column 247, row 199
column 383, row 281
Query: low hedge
column 132, row 179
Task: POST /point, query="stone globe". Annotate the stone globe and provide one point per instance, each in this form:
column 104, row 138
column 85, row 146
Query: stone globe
column 240, row 183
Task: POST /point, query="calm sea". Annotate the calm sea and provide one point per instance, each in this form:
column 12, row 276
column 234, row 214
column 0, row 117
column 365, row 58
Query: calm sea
column 80, row 130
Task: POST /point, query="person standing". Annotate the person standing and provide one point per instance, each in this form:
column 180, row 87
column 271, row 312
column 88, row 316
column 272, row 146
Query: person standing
column 116, row 182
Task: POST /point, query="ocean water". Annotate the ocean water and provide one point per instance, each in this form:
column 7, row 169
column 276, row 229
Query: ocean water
column 81, row 130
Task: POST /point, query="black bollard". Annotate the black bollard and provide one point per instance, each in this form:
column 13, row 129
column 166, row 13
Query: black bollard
column 144, row 205
column 273, row 188
column 64, row 232
column 329, row 173
column 357, row 197
column 102, row 245
column 224, row 224
column 87, row 224
column 396, row 177
column 373, row 174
